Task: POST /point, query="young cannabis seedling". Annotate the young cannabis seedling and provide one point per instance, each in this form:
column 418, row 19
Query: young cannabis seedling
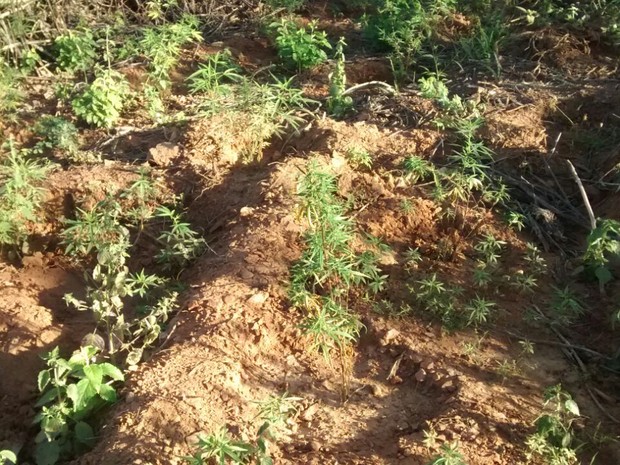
column 490, row 248
column 417, row 169
column 359, row 157
column 603, row 244
column 162, row 46
column 554, row 440
column 59, row 134
column 565, row 306
column 449, row 455
column 300, row 47
column 71, row 391
column 20, row 196
column 182, row 244
column 338, row 104
column 478, row 311
column 221, row 447
column 214, row 75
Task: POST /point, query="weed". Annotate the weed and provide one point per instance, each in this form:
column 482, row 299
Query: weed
column 442, row 302
column 300, row 47
column 413, row 257
column 565, row 306
column 321, row 279
column 483, row 46
column 57, row 134
column 181, row 244
column 212, row 76
column 102, row 102
column 221, row 447
column 417, row 169
column 524, row 282
column 162, row 47
column 75, row 51
column 10, row 94
column 603, row 243
column 71, row 391
column 404, row 26
column 554, row 439
column 483, row 274
column 449, row 455
column 478, row 311
column 338, row 104
column 471, row 350
column 515, row 220
column 20, row 196
column 359, row 157
column 490, row 248
column 507, row 368
column 156, row 9
column 536, row 263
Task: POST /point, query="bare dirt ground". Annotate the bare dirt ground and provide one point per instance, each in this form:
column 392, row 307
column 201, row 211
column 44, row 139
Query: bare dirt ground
column 236, row 340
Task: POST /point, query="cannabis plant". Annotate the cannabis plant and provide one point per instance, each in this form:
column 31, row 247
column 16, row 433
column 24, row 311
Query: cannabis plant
column 57, row 133
column 214, row 75
column 20, row 195
column 338, row 104
column 181, row 244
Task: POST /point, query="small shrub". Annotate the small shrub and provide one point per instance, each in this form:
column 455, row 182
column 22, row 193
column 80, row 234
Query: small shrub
column 449, row 455
column 300, row 47
column 554, row 440
column 603, row 244
column 75, row 51
column 102, row 102
column 20, row 196
column 57, row 133
column 339, row 104
column 213, row 75
column 10, row 94
column 359, row 157
column 71, row 391
column 181, row 244
column 162, row 47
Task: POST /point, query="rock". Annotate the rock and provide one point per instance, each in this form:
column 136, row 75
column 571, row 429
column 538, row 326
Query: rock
column 315, row 446
column 310, row 412
column 246, row 211
column 163, row 154
column 420, row 375
column 448, row 385
column 428, row 364
column 258, row 299
column 389, row 337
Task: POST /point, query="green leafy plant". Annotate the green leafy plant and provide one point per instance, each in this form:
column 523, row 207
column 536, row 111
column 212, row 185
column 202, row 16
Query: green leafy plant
column 300, row 47
column 223, row 448
column 20, row 196
column 483, row 46
column 359, row 157
column 449, row 455
column 213, row 75
column 329, row 267
column 162, row 46
column 603, row 244
column 76, row 50
column 478, row 311
column 565, row 306
column 338, row 103
column 71, row 391
column 102, row 102
column 57, row 134
column 10, row 94
column 554, row 440
column 417, row 169
column 181, row 244
column 404, row 27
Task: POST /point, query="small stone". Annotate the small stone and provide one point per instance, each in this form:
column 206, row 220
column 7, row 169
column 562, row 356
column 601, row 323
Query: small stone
column 315, row 446
column 448, row 385
column 246, row 274
column 428, row 364
column 310, row 412
column 246, row 211
column 163, row 154
column 258, row 298
column 420, row 375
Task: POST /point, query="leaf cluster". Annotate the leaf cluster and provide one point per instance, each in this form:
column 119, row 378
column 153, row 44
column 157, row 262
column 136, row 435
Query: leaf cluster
column 71, row 391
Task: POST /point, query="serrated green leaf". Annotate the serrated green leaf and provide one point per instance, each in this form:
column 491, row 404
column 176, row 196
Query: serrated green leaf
column 108, row 393
column 43, row 380
column 572, row 407
column 111, row 371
